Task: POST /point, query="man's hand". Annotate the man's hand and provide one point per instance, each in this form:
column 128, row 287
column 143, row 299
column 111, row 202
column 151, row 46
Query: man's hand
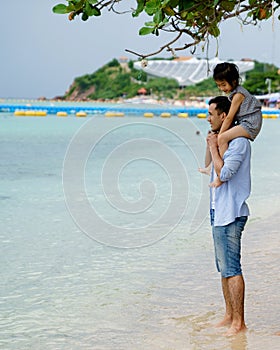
column 212, row 140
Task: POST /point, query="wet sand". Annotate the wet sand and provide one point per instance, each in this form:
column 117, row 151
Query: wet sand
column 261, row 267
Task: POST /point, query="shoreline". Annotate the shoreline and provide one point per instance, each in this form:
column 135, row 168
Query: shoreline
column 196, row 102
column 118, row 108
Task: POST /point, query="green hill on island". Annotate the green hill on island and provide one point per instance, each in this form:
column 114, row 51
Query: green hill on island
column 121, row 80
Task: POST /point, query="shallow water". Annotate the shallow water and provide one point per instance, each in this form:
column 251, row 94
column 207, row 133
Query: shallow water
column 125, row 264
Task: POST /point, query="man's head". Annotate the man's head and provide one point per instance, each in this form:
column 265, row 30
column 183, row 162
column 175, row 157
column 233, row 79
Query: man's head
column 217, row 111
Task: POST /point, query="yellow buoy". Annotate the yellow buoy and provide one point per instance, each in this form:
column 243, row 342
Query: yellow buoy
column 165, row 115
column 61, row 114
column 30, row 113
column 148, row 115
column 19, row 113
column 81, row 114
column 265, row 115
column 40, row 113
column 201, row 115
column 183, row 115
column 114, row 114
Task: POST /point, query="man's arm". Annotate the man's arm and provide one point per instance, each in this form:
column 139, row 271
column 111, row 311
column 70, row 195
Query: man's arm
column 238, row 150
column 208, row 158
column 212, row 141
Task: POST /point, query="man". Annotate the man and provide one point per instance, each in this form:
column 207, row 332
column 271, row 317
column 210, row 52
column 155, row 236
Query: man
column 229, row 212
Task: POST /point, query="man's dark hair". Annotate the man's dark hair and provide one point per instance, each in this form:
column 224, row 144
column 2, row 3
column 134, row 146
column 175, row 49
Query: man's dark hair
column 222, row 104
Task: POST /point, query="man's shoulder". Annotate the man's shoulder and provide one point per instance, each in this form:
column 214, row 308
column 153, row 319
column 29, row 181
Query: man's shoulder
column 238, row 144
column 239, row 140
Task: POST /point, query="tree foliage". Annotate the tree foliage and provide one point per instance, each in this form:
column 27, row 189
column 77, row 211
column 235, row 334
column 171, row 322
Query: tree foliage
column 256, row 79
column 197, row 20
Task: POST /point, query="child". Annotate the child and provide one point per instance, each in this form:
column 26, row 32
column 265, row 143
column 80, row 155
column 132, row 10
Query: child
column 245, row 111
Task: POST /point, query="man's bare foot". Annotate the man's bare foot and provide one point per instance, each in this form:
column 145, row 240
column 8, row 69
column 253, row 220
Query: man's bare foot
column 235, row 330
column 225, row 322
column 216, row 183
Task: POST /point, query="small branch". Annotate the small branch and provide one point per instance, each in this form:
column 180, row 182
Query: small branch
column 186, row 46
column 244, row 9
column 156, row 52
column 112, row 3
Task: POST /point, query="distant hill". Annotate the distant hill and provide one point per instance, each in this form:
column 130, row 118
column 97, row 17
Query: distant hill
column 117, row 80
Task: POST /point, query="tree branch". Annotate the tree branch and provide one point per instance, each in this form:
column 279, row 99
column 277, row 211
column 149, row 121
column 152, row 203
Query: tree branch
column 143, row 56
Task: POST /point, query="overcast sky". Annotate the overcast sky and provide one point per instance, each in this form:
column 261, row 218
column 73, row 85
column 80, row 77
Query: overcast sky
column 41, row 53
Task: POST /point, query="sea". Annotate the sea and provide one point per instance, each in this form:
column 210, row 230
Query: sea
column 106, row 242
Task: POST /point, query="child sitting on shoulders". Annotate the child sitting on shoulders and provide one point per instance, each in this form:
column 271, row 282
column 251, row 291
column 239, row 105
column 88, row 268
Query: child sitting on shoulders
column 245, row 111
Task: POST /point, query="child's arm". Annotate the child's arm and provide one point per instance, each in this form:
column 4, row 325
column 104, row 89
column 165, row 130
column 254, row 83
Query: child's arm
column 235, row 105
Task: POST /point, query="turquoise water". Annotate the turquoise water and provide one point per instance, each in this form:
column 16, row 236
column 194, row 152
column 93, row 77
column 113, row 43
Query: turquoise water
column 105, row 241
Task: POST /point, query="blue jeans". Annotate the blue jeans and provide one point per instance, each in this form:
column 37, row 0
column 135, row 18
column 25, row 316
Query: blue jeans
column 227, row 245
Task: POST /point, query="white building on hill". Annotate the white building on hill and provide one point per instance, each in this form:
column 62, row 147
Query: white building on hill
column 188, row 70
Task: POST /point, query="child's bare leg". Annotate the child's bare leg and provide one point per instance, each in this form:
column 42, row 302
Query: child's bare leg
column 225, row 137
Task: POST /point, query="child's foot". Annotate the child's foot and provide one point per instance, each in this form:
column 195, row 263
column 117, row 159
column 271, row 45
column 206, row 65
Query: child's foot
column 205, row 171
column 216, row 183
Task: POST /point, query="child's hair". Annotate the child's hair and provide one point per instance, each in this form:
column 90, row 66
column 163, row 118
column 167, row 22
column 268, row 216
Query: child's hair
column 228, row 72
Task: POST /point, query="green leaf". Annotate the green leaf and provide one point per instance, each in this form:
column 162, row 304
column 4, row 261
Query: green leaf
column 145, row 30
column 152, row 6
column 216, row 2
column 89, row 9
column 84, row 16
column 96, row 11
column 60, row 9
column 165, row 21
column 79, row 5
column 214, row 30
column 158, row 17
column 228, row 5
column 140, row 8
column 173, row 3
column 71, row 7
column 150, row 24
column 185, row 5
column 92, row 1
column 169, row 11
